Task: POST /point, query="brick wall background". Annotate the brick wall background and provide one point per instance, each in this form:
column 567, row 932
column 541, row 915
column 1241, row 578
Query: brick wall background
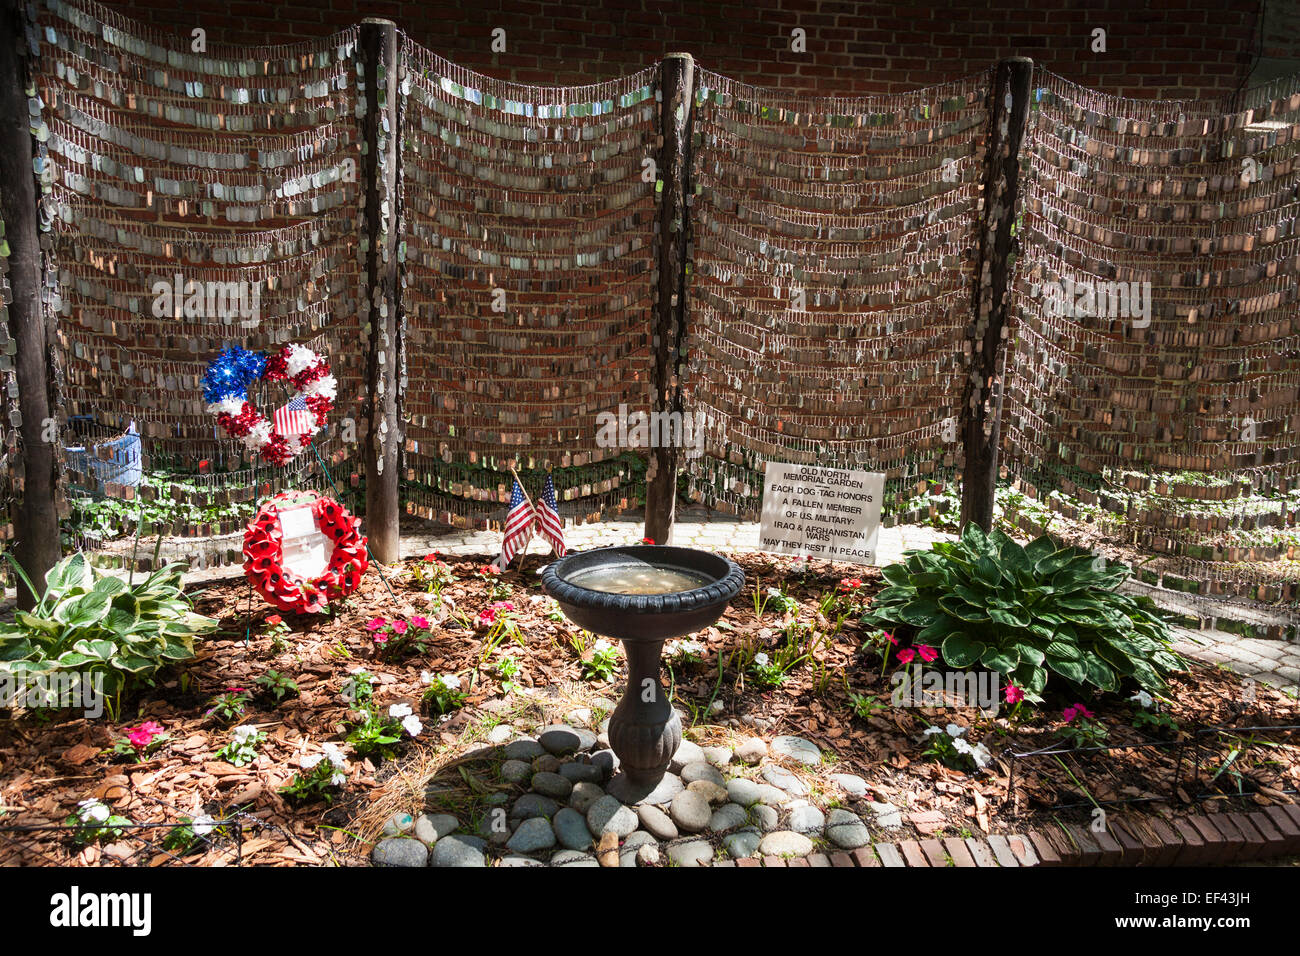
column 1155, row 48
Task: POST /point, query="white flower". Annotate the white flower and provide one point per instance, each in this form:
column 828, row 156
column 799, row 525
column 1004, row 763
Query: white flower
column 961, row 746
column 399, row 710
column 774, row 592
column 980, row 754
column 310, row 760
column 760, row 659
column 426, row 677
column 92, row 810
column 449, row 681
column 412, row 725
column 955, row 730
column 203, row 825
column 601, row 645
column 1144, row 700
column 931, row 731
column 338, row 779
column 335, row 755
column 244, row 733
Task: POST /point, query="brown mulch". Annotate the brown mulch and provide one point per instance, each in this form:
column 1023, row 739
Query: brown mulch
column 46, row 767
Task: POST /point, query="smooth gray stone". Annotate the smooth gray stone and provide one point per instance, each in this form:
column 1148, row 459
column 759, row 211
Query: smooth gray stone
column 772, row 796
column 606, row 761
column 458, row 850
column 887, row 815
column 574, row 858
column 534, row 834
column 690, row 811
column 744, row 792
column 516, row 771
column 571, row 830
column 718, row 756
column 751, row 750
column 844, row 829
column 709, row 791
column 851, row 784
column 398, row 824
column 526, row 750
column 634, row 795
column 766, row 817
column 785, row 780
column 584, row 795
column 657, row 822
column 399, row 851
column 702, row 770
column 691, row 853
column 607, row 815
column 552, row 785
column 627, row 852
column 806, row 820
column 533, row 805
column 582, row 773
column 647, row 854
column 729, row 816
column 520, row 861
column 742, row 843
column 796, row 748
column 785, row 843
column 496, row 826
column 433, row 827
column 687, row 753
column 562, row 740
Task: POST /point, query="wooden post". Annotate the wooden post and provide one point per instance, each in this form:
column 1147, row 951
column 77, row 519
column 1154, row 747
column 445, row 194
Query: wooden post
column 379, row 292
column 677, row 85
column 36, row 521
column 982, row 406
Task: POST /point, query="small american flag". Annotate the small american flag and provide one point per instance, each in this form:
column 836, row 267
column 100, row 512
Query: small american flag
column 519, row 526
column 549, row 525
column 295, row 418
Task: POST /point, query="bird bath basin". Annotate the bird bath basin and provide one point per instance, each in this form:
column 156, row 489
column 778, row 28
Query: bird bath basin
column 643, row 595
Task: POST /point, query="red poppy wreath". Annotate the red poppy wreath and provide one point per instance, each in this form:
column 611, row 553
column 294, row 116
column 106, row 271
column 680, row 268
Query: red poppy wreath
column 285, row 588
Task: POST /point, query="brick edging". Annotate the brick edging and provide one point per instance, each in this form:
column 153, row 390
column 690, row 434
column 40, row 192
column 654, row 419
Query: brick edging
column 1234, row 836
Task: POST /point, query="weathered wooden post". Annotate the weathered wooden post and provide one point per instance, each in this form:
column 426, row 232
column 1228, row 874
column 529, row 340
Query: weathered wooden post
column 677, row 86
column 982, row 406
column 36, row 521
column 379, row 292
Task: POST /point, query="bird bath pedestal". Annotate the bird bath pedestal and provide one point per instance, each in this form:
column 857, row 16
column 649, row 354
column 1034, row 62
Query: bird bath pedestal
column 643, row 596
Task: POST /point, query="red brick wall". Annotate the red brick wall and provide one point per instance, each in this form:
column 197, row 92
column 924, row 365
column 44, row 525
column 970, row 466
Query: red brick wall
column 1155, row 48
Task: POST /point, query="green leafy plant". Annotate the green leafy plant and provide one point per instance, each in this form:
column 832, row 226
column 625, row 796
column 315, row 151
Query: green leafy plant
column 189, row 832
column 114, row 633
column 507, row 669
column 1082, row 728
column 230, row 706
column 278, row 632
column 432, row 573
column 320, row 775
column 781, row 602
column 865, row 705
column 242, row 749
column 1025, row 612
column 140, row 743
column 279, row 687
column 600, row 662
column 950, row 747
column 444, row 694
column 376, row 733
column 93, row 821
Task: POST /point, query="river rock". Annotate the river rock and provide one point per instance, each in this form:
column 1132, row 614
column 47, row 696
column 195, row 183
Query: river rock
column 571, row 829
column 458, row 850
column 657, row 822
column 399, row 851
column 691, row 853
column 552, row 785
column 844, row 829
column 690, row 811
column 785, row 843
column 796, row 748
column 534, row 834
column 607, row 815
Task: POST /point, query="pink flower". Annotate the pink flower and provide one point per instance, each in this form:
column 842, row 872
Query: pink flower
column 1078, row 710
column 1013, row 694
column 890, row 637
column 375, row 623
column 927, row 652
column 486, row 616
column 399, row 627
column 420, row 622
column 142, row 736
column 905, row 655
column 501, row 606
column 381, row 638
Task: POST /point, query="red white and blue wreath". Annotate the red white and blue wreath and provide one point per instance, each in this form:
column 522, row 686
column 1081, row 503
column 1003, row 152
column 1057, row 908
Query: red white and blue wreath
column 281, row 438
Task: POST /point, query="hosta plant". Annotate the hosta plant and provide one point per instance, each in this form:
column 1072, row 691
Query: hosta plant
column 1026, row 612
column 112, row 632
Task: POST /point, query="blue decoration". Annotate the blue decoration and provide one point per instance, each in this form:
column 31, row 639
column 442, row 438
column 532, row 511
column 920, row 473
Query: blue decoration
column 230, row 374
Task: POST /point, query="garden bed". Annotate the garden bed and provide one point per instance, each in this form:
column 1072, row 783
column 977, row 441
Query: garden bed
column 838, row 698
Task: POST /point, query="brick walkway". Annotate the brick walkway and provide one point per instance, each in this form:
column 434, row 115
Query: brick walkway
column 1272, row 662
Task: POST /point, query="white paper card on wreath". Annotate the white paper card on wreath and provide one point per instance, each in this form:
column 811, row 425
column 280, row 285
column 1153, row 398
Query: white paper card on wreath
column 303, row 550
column 823, row 513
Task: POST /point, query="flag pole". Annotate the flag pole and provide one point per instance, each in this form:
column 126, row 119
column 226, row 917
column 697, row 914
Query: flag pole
column 523, row 489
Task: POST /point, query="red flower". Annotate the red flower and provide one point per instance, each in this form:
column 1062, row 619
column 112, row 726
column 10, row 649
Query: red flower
column 905, row 655
column 1013, row 694
column 647, row 540
column 927, row 652
column 275, row 620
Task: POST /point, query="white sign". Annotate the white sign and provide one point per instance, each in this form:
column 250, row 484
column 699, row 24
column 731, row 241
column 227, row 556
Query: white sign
column 303, row 550
column 821, row 512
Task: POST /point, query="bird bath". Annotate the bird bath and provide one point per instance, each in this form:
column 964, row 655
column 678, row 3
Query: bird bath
column 643, row 595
